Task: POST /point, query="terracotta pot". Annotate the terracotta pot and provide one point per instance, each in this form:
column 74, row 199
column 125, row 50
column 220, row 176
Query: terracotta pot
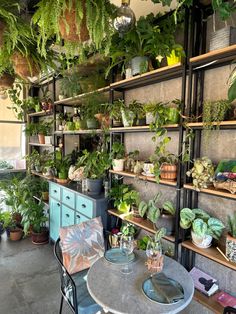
column 40, row 238
column 168, row 172
column 136, row 216
column 71, row 25
column 62, row 181
column 24, row 66
column 2, row 30
column 41, row 138
column 231, row 248
column 6, row 81
column 16, row 234
column 103, row 119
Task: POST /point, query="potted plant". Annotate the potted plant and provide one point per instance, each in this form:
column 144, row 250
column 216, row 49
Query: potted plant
column 70, row 85
column 62, row 165
column 34, row 220
column 150, row 209
column 118, row 156
column 123, row 196
column 103, row 115
column 32, row 160
column 203, row 227
column 44, row 129
column 128, row 229
column 174, row 112
column 5, row 222
column 115, row 112
column 231, row 239
column 90, row 108
column 128, row 115
column 95, row 166
column 44, row 186
column 202, row 173
column 16, row 232
column 165, row 165
column 138, row 109
column 167, row 217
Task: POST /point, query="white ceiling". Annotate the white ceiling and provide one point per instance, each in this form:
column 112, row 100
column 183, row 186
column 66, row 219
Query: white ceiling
column 143, row 7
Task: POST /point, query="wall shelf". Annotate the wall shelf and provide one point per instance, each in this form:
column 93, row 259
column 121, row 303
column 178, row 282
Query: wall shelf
column 212, row 191
column 208, row 302
column 41, row 145
column 145, row 224
column 152, row 77
column 223, row 125
column 144, row 178
column 144, row 128
column 210, row 253
column 41, row 113
column 95, row 131
column 39, row 174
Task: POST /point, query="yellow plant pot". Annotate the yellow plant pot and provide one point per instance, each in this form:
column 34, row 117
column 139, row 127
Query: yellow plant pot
column 173, row 59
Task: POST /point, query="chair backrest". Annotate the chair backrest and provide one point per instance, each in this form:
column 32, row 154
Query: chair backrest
column 229, row 310
column 68, row 288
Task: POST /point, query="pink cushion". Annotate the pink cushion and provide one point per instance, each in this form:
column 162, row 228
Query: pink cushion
column 82, row 244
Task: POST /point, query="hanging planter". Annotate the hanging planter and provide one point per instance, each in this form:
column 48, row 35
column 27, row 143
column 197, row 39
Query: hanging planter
column 68, row 25
column 24, row 66
column 6, row 80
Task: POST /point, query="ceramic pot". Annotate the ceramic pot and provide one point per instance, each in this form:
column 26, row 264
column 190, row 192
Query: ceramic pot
column 41, row 138
column 118, row 164
column 94, row 186
column 167, row 221
column 150, row 118
column 16, row 234
column 168, row 172
column 173, row 116
column 62, row 181
column 136, row 216
column 127, row 117
column 201, row 242
column 48, row 140
column 91, row 124
column 137, row 64
column 231, row 248
column 40, row 238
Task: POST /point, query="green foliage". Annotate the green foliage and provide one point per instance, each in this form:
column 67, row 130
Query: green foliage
column 128, row 229
column 118, row 151
column 150, row 208
column 201, row 222
column 44, row 128
column 159, row 234
column 232, row 85
column 95, row 164
column 115, row 109
column 70, row 85
column 91, row 105
column 124, row 193
column 62, row 165
column 6, row 219
column 5, row 165
column 142, row 243
column 168, row 207
column 232, row 225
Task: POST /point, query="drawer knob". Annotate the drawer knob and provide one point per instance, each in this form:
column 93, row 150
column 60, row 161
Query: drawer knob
column 55, row 191
column 78, row 216
column 58, row 204
column 67, row 197
column 83, row 205
column 67, row 215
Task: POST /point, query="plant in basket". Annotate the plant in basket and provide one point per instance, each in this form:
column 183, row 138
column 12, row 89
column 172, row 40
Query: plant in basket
column 165, row 164
column 203, row 227
column 231, row 238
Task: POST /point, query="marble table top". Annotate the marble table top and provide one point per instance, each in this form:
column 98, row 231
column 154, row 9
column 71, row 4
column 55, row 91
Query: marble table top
column 122, row 294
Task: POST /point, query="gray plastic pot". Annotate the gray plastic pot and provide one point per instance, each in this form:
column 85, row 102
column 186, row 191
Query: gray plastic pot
column 137, row 64
column 94, row 186
column 168, row 222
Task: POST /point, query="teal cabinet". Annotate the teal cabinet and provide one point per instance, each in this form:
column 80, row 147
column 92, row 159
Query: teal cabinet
column 68, row 206
column 67, row 216
column 54, row 218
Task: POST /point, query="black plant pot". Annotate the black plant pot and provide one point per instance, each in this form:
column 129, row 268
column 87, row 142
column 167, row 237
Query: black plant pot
column 168, row 222
column 94, row 186
column 141, row 122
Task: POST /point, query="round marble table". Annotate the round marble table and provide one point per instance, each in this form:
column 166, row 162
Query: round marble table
column 122, row 294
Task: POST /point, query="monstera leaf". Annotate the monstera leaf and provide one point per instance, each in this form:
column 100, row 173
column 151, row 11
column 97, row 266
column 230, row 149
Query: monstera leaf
column 199, row 227
column 215, row 227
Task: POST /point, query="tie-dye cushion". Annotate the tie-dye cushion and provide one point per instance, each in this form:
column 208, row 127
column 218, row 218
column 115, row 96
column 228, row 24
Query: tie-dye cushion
column 82, row 244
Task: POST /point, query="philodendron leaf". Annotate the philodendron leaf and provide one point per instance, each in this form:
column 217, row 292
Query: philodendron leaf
column 160, row 234
column 199, row 227
column 200, row 213
column 142, row 208
column 186, row 218
column 215, row 227
column 169, row 207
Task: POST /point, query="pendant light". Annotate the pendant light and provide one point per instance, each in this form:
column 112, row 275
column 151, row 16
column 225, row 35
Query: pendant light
column 125, row 19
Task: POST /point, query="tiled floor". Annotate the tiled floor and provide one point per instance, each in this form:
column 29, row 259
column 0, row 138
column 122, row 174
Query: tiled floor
column 29, row 280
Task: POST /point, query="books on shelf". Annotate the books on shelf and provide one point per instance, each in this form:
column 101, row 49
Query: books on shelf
column 203, row 282
column 225, row 299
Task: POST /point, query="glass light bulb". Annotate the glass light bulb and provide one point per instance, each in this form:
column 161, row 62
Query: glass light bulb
column 125, row 19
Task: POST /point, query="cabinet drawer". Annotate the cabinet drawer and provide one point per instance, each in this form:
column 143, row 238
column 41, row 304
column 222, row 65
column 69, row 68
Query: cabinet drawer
column 68, row 198
column 80, row 218
column 84, row 206
column 55, row 191
column 67, row 216
column 54, row 219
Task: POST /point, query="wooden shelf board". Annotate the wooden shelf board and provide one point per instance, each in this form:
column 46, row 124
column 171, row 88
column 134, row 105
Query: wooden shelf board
column 208, row 302
column 145, row 224
column 41, row 145
column 39, row 174
column 223, row 123
column 212, row 191
column 78, row 132
column 144, row 128
column 76, row 99
column 40, row 113
column 214, row 54
column 141, row 177
column 210, row 253
column 133, row 81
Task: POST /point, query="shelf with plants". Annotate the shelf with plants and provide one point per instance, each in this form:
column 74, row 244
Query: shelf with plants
column 41, row 113
column 92, row 131
column 211, row 190
column 215, row 57
column 144, row 224
column 144, row 128
column 208, row 302
column 144, row 178
column 211, row 253
column 231, row 124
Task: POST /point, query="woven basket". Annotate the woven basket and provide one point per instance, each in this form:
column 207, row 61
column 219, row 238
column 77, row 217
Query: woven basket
column 23, row 66
column 69, row 30
column 168, row 172
column 6, row 81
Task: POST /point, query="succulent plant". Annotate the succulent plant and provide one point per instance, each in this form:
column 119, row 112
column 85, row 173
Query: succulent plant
column 202, row 173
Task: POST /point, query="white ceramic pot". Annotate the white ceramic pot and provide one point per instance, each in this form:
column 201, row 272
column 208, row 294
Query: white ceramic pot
column 48, row 140
column 137, row 64
column 118, row 164
column 149, row 118
column 202, row 242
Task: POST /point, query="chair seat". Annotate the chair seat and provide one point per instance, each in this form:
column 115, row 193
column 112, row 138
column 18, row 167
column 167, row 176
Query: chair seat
column 86, row 304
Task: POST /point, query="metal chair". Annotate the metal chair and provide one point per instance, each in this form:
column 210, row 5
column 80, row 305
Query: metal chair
column 229, row 310
column 74, row 288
